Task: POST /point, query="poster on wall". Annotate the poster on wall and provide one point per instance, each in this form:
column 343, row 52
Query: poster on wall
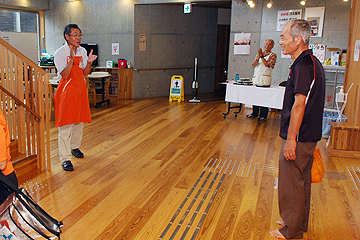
column 285, row 15
column 357, row 50
column 142, row 42
column 318, row 51
column 315, row 15
column 6, row 39
column 115, row 49
column 242, row 43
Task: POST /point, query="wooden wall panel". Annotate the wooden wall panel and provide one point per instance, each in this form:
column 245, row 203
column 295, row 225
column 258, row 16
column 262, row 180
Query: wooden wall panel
column 352, row 67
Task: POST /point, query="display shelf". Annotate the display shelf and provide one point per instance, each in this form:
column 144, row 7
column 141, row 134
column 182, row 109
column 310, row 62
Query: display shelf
column 121, row 82
column 334, row 77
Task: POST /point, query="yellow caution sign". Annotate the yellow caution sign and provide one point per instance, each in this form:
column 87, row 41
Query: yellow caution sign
column 176, row 88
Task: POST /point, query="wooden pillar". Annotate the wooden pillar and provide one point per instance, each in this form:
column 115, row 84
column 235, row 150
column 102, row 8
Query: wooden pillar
column 352, row 108
column 42, row 30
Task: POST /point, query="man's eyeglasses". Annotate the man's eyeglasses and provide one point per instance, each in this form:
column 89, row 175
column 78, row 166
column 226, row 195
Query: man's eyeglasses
column 75, row 35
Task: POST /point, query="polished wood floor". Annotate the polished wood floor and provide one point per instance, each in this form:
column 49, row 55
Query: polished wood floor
column 160, row 170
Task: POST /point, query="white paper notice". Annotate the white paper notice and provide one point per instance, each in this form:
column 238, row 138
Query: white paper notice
column 115, row 48
column 142, row 43
column 318, row 51
column 242, row 43
column 285, row 15
column 6, row 39
column 357, row 50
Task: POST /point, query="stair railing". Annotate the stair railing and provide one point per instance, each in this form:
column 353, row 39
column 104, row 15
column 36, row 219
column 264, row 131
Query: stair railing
column 24, row 100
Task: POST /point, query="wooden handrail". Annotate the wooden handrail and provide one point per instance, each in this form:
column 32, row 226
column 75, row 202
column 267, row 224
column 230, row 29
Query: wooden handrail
column 30, row 124
column 19, row 102
column 23, row 57
column 172, row 68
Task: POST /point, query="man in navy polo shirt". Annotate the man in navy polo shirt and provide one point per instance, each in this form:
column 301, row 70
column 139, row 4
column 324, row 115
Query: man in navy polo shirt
column 301, row 124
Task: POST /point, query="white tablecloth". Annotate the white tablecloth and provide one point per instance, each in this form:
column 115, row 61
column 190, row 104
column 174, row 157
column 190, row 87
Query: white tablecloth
column 251, row 95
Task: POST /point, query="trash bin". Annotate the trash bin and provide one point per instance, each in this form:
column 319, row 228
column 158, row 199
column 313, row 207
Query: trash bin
column 328, row 117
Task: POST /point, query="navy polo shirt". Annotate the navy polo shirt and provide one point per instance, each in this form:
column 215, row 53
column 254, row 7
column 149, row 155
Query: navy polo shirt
column 299, row 81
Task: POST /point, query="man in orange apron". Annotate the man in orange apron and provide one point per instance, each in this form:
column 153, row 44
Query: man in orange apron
column 72, row 107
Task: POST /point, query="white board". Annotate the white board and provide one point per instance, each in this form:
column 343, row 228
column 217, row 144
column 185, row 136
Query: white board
column 25, row 42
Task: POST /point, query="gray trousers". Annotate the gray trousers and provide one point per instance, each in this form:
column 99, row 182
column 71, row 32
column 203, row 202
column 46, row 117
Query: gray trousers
column 295, row 189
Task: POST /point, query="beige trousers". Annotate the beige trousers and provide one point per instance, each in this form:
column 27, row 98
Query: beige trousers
column 69, row 138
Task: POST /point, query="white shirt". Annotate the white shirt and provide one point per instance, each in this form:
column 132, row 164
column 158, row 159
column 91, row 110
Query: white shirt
column 60, row 57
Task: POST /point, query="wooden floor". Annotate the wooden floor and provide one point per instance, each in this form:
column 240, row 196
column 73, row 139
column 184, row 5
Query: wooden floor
column 160, row 170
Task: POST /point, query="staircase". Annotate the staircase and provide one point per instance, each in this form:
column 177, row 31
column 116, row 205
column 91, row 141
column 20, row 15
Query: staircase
column 24, row 101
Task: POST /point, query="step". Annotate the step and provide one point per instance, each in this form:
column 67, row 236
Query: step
column 14, row 149
column 26, row 168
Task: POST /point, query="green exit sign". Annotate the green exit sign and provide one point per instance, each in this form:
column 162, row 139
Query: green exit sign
column 187, row 7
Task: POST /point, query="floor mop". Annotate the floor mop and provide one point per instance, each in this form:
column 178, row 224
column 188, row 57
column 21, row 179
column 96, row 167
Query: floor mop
column 195, row 85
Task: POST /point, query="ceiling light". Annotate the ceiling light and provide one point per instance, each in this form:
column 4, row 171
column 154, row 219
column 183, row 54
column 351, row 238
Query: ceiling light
column 345, row 0
column 250, row 3
column 269, row 5
column 303, row 2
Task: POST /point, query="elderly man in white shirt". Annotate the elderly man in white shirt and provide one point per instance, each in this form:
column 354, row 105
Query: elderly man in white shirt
column 71, row 101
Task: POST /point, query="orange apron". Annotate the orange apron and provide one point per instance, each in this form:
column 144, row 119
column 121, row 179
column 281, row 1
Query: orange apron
column 5, row 144
column 71, row 97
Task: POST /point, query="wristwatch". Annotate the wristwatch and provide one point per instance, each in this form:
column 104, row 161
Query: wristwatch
column 262, row 56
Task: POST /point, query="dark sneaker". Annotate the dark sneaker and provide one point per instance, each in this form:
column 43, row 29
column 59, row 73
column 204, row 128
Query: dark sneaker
column 77, row 153
column 262, row 118
column 67, row 166
column 251, row 116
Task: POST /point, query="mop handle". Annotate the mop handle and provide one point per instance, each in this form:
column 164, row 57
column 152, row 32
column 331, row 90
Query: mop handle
column 195, row 72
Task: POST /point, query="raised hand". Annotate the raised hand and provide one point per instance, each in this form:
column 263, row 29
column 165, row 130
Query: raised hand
column 72, row 54
column 92, row 57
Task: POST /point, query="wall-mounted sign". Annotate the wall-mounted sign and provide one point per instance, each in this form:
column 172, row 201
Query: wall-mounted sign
column 286, row 15
column 318, row 51
column 115, row 48
column 357, row 50
column 242, row 43
column 315, row 15
column 142, row 42
column 187, row 7
column 6, row 39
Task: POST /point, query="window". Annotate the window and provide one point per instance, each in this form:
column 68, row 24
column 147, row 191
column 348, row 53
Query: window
column 28, row 22
column 7, row 20
column 12, row 20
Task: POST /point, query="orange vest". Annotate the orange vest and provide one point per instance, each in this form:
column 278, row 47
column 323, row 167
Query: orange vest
column 71, row 98
column 5, row 145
